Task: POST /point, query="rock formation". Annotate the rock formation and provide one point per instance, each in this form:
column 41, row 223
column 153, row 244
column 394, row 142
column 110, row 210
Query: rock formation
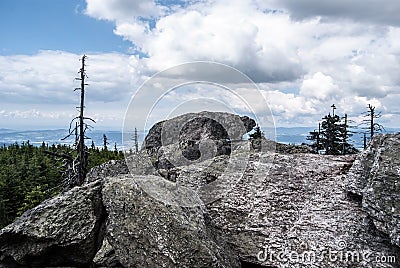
column 300, row 206
column 375, row 181
column 197, row 126
column 146, row 233
column 244, row 209
column 194, row 136
column 66, row 230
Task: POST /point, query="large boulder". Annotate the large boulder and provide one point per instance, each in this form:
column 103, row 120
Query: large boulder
column 375, row 180
column 193, row 137
column 145, row 232
column 196, row 126
column 66, row 230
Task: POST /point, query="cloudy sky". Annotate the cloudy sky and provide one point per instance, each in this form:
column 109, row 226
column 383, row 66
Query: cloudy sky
column 303, row 56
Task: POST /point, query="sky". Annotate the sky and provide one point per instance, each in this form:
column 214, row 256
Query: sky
column 300, row 57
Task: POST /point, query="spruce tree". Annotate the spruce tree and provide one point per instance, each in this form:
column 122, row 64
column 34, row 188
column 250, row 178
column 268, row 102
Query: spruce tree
column 333, row 135
column 105, row 142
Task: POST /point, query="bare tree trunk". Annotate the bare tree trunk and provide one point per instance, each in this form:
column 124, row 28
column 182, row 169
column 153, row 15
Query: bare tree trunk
column 81, row 145
column 372, row 115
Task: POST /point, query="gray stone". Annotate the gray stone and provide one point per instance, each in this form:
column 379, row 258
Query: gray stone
column 106, row 256
column 375, row 178
column 66, row 230
column 196, row 136
column 297, row 204
column 136, row 163
column 196, row 126
column 147, row 233
column 273, row 146
column 108, row 169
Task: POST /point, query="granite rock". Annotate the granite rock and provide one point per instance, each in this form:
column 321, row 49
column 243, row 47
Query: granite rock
column 147, row 233
column 375, row 179
column 66, row 230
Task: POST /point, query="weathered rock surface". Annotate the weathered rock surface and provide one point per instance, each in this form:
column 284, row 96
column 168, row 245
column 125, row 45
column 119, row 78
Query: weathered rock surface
column 375, row 178
column 146, row 233
column 298, row 205
column 108, row 169
column 106, row 256
column 273, row 146
column 66, row 230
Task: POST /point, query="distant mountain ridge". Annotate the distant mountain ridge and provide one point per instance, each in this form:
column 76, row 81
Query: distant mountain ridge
column 287, row 135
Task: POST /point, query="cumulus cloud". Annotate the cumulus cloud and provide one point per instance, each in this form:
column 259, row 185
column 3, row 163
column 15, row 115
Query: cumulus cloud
column 122, row 10
column 321, row 87
column 381, row 12
column 238, row 34
column 309, row 53
column 49, row 77
column 41, row 87
column 305, row 55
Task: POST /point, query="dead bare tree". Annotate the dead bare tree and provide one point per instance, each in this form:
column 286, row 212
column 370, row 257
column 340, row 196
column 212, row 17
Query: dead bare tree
column 76, row 168
column 372, row 125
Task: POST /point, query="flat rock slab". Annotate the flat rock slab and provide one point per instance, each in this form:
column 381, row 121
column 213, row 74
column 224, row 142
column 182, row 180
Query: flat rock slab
column 298, row 206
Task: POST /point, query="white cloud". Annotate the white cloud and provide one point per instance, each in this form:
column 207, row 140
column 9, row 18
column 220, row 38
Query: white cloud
column 122, row 10
column 41, row 87
column 244, row 38
column 380, row 12
column 267, row 46
column 49, row 77
column 304, row 54
column 321, row 87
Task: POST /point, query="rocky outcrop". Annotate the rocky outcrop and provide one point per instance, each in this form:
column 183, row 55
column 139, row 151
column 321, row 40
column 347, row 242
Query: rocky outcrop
column 109, row 169
column 194, row 137
column 146, row 233
column 249, row 208
column 197, row 126
column 375, row 180
column 66, row 230
column 299, row 205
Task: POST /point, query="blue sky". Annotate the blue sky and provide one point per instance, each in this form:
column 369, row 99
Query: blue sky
column 302, row 55
column 29, row 26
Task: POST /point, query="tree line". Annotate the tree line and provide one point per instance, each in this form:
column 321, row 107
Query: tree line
column 334, row 132
column 30, row 174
